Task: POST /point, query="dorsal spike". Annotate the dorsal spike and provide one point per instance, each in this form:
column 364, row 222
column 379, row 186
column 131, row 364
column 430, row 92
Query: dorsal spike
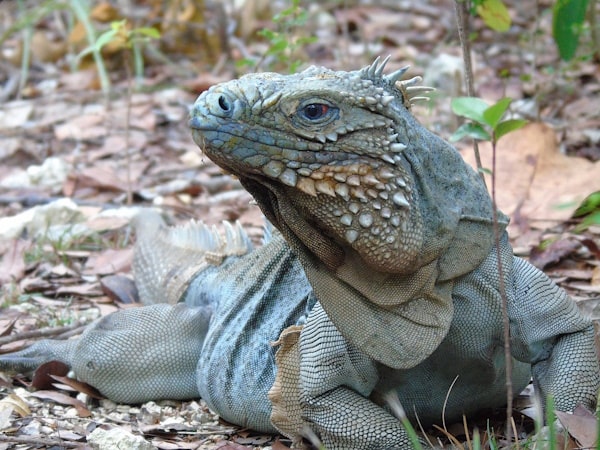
column 379, row 69
column 417, row 89
column 414, row 100
column 412, row 81
column 237, row 241
column 370, row 70
column 395, row 76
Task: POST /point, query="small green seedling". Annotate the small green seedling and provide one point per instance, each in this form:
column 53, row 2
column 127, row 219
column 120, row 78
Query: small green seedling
column 486, row 123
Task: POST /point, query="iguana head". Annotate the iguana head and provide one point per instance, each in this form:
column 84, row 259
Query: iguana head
column 356, row 185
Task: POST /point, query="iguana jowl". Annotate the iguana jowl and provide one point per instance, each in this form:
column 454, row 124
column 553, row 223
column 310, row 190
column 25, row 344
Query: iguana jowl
column 384, row 276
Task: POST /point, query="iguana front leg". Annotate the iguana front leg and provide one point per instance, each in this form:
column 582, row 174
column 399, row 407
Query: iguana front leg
column 332, row 384
column 555, row 338
column 130, row 356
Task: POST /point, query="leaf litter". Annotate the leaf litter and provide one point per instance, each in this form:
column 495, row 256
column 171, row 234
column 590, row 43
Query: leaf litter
column 66, row 140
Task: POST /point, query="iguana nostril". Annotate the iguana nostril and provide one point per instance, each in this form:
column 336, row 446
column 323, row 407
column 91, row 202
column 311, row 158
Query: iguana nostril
column 224, row 103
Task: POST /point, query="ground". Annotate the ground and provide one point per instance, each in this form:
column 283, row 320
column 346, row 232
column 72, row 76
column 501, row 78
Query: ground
column 103, row 154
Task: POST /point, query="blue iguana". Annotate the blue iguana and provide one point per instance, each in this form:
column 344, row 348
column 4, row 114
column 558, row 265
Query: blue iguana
column 381, row 276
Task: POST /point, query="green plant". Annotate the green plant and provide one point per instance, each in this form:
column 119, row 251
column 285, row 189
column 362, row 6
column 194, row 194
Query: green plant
column 568, row 17
column 285, row 41
column 567, row 22
column 494, row 13
column 123, row 37
column 588, row 211
column 487, row 124
column 132, row 39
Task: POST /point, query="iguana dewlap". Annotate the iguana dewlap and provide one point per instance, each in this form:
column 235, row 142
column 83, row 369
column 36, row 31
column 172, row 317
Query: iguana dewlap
column 383, row 277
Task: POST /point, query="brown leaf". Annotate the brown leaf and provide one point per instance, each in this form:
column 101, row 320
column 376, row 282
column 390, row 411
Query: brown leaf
column 582, row 425
column 63, row 399
column 104, row 12
column 552, row 253
column 120, row 288
column 85, row 290
column 42, row 377
column 253, row 440
column 278, row 445
column 534, row 179
column 225, row 445
column 79, row 386
column 12, row 266
column 591, row 246
column 15, row 403
column 100, row 176
column 109, row 261
column 168, row 430
column 595, row 276
column 86, row 126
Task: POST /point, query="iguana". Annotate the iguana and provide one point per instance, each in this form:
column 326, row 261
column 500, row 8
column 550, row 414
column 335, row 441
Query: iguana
column 381, row 276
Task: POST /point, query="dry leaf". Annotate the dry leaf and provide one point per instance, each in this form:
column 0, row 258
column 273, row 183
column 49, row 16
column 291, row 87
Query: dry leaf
column 553, row 253
column 63, row 399
column 79, row 386
column 534, row 180
column 42, row 377
column 225, row 445
column 86, row 126
column 278, row 445
column 12, row 265
column 15, row 403
column 120, row 288
column 84, row 290
column 104, row 12
column 9, row 327
column 582, row 425
column 595, row 281
column 109, row 261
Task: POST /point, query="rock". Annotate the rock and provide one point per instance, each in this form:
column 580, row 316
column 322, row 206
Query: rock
column 445, row 73
column 117, row 438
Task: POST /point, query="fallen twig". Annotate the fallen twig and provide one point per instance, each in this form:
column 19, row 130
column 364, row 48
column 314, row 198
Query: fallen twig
column 45, row 332
column 48, row 442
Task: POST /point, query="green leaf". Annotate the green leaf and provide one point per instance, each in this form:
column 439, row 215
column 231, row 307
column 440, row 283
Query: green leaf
column 277, row 46
column 507, row 126
column 494, row 113
column 472, row 130
column 567, row 21
column 266, row 33
column 105, row 38
column 494, row 14
column 592, row 219
column 469, row 107
column 591, row 203
column 150, row 32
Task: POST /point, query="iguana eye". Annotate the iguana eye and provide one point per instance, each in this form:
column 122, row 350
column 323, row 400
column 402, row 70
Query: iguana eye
column 317, row 114
column 315, row 111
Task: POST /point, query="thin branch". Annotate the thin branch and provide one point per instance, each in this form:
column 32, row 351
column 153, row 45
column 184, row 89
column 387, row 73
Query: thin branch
column 462, row 8
column 502, row 289
column 462, row 20
column 47, row 442
column 33, row 334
